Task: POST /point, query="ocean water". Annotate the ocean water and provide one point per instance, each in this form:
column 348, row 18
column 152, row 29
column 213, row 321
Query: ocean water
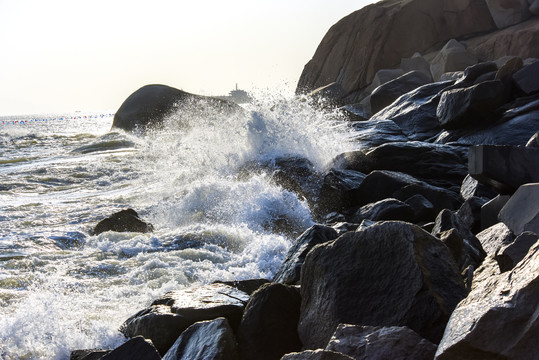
column 63, row 289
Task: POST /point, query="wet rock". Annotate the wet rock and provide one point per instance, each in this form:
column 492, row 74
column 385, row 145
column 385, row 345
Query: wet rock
column 169, row 315
column 247, row 286
column 438, row 165
column 534, row 141
column 376, row 132
column 90, row 354
column 505, row 301
column 316, row 355
column 386, row 209
column 335, row 193
column 208, row 340
column 123, row 221
column 521, row 213
column 391, row 263
column 329, row 95
column 508, row 12
column 386, row 93
column 491, row 209
column 527, row 78
column 290, row 270
column 474, row 72
column 494, row 238
column 452, row 57
column 135, row 348
column 511, row 254
column 380, row 343
column 471, row 106
column 504, row 168
column 415, row 112
column 268, row 328
column 151, row 104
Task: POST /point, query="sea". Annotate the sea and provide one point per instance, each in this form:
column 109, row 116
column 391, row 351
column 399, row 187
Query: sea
column 62, row 288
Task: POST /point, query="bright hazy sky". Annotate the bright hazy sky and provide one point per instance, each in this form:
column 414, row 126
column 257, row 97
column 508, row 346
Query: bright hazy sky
column 65, row 55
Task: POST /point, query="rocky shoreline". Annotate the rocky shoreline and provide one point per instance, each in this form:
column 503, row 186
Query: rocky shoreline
column 427, row 242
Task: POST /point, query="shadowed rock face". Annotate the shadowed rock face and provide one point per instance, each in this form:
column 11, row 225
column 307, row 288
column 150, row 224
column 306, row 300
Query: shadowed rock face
column 341, row 55
column 149, row 106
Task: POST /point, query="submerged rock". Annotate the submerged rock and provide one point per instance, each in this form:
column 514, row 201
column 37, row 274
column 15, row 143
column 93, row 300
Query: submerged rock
column 123, row 221
column 390, row 265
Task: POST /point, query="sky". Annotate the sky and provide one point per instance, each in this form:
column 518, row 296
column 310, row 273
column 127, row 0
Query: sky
column 65, row 55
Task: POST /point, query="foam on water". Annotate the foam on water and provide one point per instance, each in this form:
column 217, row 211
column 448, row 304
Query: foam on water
column 63, row 289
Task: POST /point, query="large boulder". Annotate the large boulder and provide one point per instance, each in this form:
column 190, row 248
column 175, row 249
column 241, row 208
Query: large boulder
column 388, row 274
column 360, row 44
column 527, row 78
column 336, row 188
column 386, row 209
column 505, row 168
column 498, row 319
column 208, row 340
column 508, row 12
column 151, row 104
column 168, row 316
column 452, row 57
column 380, row 343
column 521, row 213
column 376, row 132
column 290, row 270
column 123, row 221
column 136, row 348
column 386, row 93
column 493, row 238
column 511, row 254
column 268, row 328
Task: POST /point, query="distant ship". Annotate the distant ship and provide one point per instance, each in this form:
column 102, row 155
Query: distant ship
column 238, row 96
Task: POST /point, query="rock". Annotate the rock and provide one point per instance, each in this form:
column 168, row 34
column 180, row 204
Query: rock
column 336, row 187
column 386, row 93
column 463, row 253
column 329, row 95
column 208, row 340
column 508, row 12
column 290, row 270
column 439, row 198
column 474, row 72
column 534, row 141
column 90, row 354
column 438, row 165
column 505, row 168
column 452, row 57
column 470, row 213
column 416, row 63
column 471, row 106
column 527, row 79
column 151, row 104
column 391, row 263
column 370, row 39
column 471, row 187
column 494, row 238
column 383, row 76
column 380, row 343
column 136, row 348
column 415, row 112
column 534, row 7
column 168, row 316
column 505, row 301
column 123, row 221
column 247, row 286
column 511, row 254
column 386, row 209
column 510, row 67
column 491, row 209
column 518, row 40
column 316, row 355
column 268, row 328
column 521, row 213
column 422, row 207
column 376, row 132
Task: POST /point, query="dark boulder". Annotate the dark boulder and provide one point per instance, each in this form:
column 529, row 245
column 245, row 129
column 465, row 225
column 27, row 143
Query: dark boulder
column 208, row 340
column 268, row 328
column 521, row 213
column 511, row 254
column 387, row 93
column 248, row 286
column 473, row 73
column 470, row 213
column 151, row 104
column 386, row 209
column 376, row 132
column 471, row 106
column 527, row 79
column 290, row 270
column 168, row 316
column 380, row 343
column 498, row 319
column 505, row 168
column 534, row 141
column 335, row 192
column 438, row 165
column 422, row 207
column 491, row 209
column 135, row 348
column 123, row 221
column 89, row 354
column 317, row 355
column 389, row 265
